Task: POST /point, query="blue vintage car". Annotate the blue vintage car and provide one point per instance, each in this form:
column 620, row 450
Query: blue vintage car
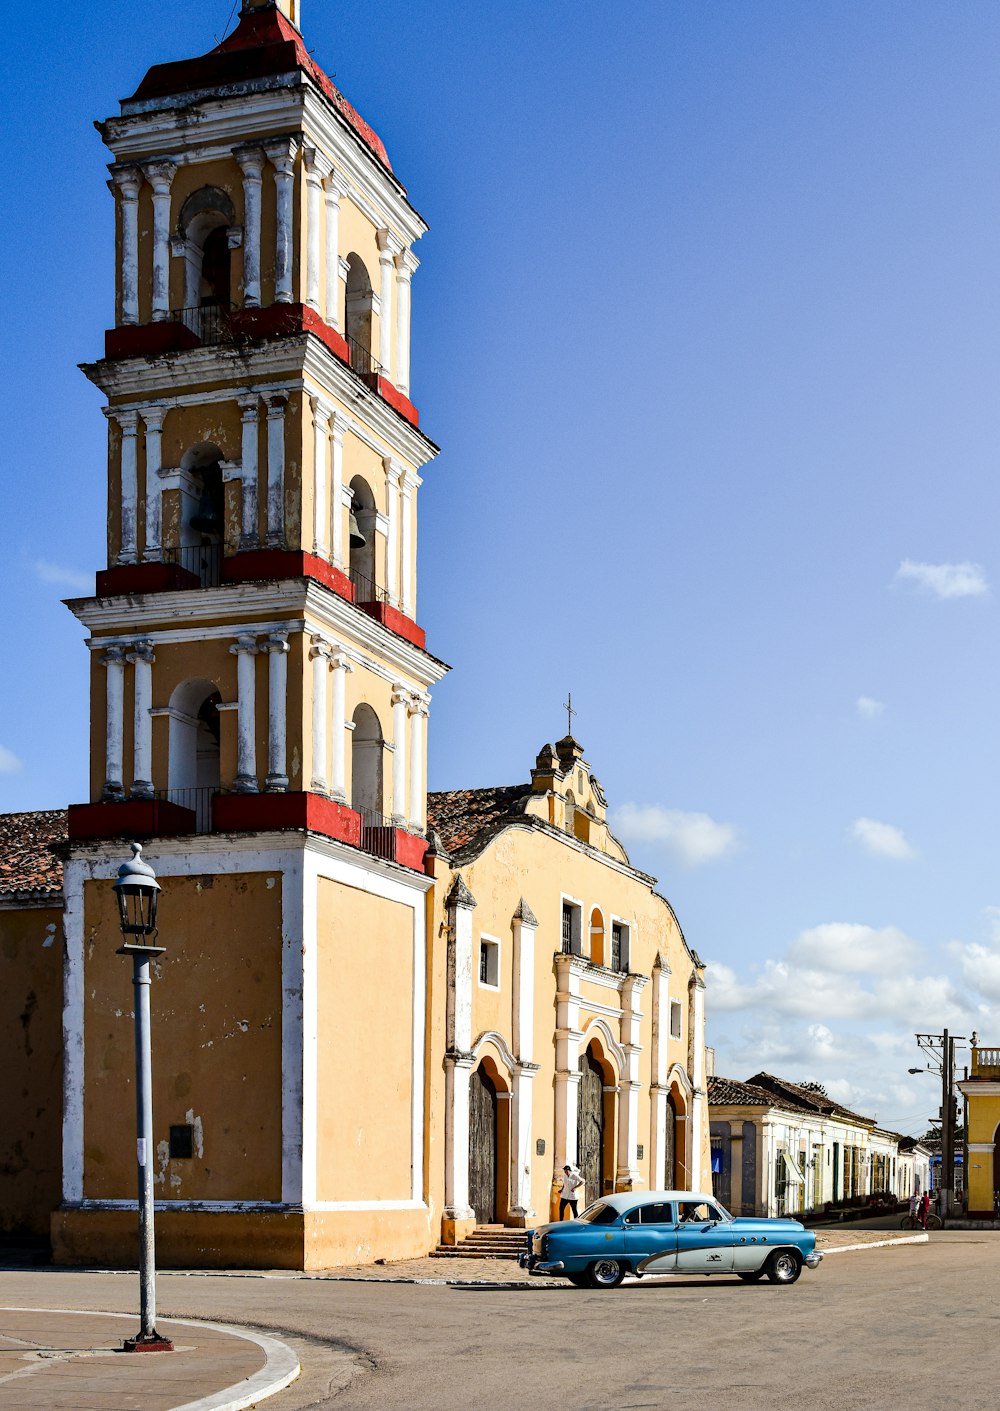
column 667, row 1232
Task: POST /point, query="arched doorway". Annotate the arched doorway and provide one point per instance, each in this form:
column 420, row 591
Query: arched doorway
column 483, row 1163
column 358, row 311
column 366, row 765
column 591, row 1126
column 670, row 1146
column 193, row 758
column 362, row 555
column 996, row 1161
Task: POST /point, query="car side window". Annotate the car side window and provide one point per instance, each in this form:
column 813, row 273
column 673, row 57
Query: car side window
column 634, row 1216
column 690, row 1212
column 658, row 1212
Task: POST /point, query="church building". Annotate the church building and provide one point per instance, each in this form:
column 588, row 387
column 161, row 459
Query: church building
column 383, row 1017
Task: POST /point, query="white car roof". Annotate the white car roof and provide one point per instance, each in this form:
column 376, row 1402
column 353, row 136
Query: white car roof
column 628, row 1200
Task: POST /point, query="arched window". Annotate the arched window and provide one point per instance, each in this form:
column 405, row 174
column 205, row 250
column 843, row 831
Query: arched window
column 597, row 937
column 202, row 518
column 366, row 765
column 363, row 554
column 205, row 221
column 193, row 768
column 359, row 315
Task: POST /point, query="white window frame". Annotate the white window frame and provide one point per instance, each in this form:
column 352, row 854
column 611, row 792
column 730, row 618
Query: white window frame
column 676, row 1008
column 577, row 931
column 494, row 943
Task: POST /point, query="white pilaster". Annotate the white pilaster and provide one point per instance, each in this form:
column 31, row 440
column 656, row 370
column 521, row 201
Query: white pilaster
column 458, row 1057
column 129, row 424
column 406, row 265
column 524, row 925
column 698, row 1096
column 331, row 185
column 338, row 426
column 114, row 662
column 400, row 704
column 314, row 169
column 160, row 176
column 627, row 1175
column 418, row 714
column 567, row 1084
column 393, row 475
column 276, row 468
column 245, row 649
column 129, row 183
column 321, row 448
column 320, row 653
column 407, row 491
column 250, row 416
column 338, row 780
column 659, row 1178
column 153, row 417
column 276, row 646
column 282, row 158
column 142, row 658
column 388, row 248
column 251, row 160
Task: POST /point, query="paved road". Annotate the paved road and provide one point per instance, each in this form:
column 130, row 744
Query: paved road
column 905, row 1326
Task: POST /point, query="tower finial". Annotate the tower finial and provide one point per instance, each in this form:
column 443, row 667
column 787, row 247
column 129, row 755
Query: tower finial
column 570, row 712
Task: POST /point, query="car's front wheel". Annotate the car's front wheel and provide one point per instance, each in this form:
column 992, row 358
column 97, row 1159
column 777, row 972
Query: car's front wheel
column 606, row 1273
column 752, row 1276
column 784, row 1266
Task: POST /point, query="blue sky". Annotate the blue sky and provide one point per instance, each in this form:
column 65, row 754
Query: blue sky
column 708, row 327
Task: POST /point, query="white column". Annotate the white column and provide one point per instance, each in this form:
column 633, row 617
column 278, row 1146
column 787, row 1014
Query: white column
column 314, row 167
column 153, row 417
column 418, row 714
column 282, row 157
column 406, row 264
column 320, row 653
column 276, row 468
column 338, row 426
column 142, row 658
column 388, row 248
column 331, row 185
column 458, row 1058
column 400, row 703
column 114, row 662
column 568, row 1036
column 660, row 1066
column 627, row 1175
column 160, row 175
column 698, row 1097
column 129, row 423
column 277, row 713
column 129, row 183
column 250, row 415
column 407, row 491
column 393, row 474
column 524, row 926
column 321, row 444
column 251, row 160
column 245, row 649
column 338, row 773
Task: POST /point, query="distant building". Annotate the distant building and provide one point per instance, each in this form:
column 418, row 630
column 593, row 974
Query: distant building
column 982, row 1106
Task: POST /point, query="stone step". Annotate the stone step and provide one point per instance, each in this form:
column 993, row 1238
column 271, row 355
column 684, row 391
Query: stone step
column 453, row 1251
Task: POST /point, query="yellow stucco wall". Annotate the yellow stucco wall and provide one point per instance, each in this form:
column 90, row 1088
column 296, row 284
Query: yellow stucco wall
column 216, row 1034
column 365, row 958
column 31, row 949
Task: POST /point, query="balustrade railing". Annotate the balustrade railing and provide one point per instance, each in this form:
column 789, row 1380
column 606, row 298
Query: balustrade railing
column 366, row 590
column 204, row 560
column 198, row 800
column 985, row 1060
column 362, row 361
column 210, row 323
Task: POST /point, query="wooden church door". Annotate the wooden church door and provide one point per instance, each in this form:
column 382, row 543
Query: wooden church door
column 483, row 1147
column 670, row 1146
column 590, row 1126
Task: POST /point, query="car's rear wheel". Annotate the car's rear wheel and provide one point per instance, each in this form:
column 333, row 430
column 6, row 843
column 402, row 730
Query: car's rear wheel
column 752, row 1276
column 606, row 1273
column 784, row 1266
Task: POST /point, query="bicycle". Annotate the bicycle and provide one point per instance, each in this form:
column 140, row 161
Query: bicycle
column 911, row 1222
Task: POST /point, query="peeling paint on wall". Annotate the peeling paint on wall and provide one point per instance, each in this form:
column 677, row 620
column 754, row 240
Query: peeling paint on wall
column 50, row 935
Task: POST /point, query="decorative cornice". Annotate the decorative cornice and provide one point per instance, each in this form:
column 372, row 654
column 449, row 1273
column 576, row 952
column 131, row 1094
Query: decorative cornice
column 460, row 894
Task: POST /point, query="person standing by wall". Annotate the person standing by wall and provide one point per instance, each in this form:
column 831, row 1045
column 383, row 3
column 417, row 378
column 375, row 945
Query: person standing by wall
column 568, row 1186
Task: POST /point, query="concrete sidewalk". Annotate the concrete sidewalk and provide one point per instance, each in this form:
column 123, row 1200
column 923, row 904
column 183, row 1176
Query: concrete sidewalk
column 54, row 1360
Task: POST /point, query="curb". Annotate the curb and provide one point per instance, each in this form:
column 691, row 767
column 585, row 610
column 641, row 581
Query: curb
column 876, row 1244
column 279, row 1370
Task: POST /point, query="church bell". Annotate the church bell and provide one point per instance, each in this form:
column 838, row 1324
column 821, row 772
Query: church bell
column 358, row 540
column 207, row 519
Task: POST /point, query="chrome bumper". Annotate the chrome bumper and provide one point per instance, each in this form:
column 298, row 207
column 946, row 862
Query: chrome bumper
column 812, row 1261
column 533, row 1265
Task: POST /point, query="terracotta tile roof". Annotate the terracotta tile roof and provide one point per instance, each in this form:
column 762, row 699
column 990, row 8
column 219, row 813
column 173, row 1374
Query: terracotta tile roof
column 29, row 863
column 805, row 1097
column 263, row 45
column 730, row 1092
column 462, row 815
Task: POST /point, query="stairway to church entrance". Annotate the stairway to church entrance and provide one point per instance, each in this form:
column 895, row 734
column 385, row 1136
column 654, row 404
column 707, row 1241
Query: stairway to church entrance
column 485, row 1242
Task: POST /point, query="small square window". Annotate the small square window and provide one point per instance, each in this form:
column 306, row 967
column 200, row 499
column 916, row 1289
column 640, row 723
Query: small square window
column 489, row 963
column 572, row 929
column 675, row 1019
column 181, row 1142
column 619, row 946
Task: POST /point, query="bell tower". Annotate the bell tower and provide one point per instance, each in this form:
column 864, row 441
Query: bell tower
column 260, row 687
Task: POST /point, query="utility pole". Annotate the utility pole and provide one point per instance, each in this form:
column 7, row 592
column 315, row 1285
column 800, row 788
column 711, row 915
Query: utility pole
column 945, row 1064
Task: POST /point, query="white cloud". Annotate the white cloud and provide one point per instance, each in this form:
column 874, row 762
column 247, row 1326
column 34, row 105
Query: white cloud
column 946, row 580
column 844, row 947
column 63, row 576
column 882, row 839
column 869, row 708
column 691, row 838
column 9, row 762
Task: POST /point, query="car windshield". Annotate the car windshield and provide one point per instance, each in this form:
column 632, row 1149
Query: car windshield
column 600, row 1214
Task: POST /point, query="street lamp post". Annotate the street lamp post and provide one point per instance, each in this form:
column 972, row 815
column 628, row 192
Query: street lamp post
column 945, row 1065
column 137, row 889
